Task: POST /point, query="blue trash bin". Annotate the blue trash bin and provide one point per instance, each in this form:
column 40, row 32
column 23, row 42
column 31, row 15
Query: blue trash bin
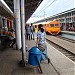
column 34, row 51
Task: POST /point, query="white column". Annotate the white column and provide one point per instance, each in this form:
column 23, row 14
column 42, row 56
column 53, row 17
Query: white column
column 17, row 22
column 23, row 28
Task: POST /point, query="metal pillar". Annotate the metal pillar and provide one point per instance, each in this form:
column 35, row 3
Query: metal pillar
column 23, row 30
column 17, row 22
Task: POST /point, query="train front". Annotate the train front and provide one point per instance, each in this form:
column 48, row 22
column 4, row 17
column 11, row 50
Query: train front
column 54, row 28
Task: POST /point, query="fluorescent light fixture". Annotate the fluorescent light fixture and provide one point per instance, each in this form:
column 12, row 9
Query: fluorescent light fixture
column 6, row 6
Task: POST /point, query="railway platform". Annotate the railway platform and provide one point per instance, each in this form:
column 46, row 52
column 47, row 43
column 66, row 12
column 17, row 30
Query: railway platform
column 9, row 59
column 68, row 32
column 60, row 59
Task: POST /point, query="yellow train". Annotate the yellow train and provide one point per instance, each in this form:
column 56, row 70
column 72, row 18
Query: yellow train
column 52, row 27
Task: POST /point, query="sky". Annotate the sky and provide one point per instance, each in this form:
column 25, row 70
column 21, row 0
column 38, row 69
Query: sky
column 51, row 7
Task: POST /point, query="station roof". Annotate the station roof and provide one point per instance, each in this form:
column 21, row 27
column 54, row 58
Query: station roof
column 30, row 7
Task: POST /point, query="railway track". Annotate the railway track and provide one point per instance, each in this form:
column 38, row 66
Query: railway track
column 67, row 53
column 67, row 39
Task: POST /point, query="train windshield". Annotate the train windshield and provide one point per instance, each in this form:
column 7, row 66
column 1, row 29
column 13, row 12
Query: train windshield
column 56, row 25
column 51, row 25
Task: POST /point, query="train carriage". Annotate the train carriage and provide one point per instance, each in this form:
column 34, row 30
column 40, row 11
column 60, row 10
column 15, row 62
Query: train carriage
column 53, row 27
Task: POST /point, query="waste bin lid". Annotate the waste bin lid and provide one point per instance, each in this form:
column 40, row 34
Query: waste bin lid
column 35, row 50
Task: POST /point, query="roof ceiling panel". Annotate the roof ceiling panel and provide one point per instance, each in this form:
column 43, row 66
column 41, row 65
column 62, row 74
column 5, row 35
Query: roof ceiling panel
column 30, row 6
column 4, row 13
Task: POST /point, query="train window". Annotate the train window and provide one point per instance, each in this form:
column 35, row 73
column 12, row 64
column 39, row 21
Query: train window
column 51, row 25
column 56, row 25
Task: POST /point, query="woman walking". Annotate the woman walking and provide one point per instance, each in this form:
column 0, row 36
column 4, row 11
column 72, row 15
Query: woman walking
column 41, row 42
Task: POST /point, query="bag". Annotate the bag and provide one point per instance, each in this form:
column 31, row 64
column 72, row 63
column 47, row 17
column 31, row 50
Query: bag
column 42, row 47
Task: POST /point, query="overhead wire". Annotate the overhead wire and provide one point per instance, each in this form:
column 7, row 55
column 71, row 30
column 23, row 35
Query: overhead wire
column 44, row 7
column 50, row 3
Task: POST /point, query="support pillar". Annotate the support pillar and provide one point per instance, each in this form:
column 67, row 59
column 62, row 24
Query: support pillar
column 23, row 30
column 17, row 22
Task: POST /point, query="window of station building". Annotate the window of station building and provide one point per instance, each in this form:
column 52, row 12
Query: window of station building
column 69, row 14
column 73, row 12
column 56, row 25
column 71, row 25
column 74, row 25
column 51, row 25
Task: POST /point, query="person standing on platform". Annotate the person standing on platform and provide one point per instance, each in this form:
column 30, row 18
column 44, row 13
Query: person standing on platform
column 35, row 32
column 41, row 42
column 32, row 32
column 12, row 38
column 28, row 32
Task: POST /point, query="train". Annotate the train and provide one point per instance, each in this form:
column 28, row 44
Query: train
column 52, row 27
